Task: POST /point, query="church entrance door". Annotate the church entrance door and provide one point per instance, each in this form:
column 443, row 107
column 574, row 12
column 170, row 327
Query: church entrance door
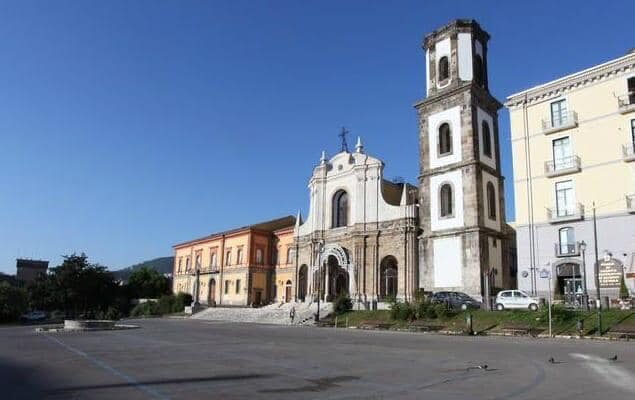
column 337, row 279
column 302, row 282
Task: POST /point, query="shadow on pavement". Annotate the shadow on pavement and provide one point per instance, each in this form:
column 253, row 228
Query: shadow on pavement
column 176, row 381
column 20, row 382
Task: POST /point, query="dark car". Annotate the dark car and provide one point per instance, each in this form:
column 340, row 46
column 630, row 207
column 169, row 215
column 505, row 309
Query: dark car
column 455, row 300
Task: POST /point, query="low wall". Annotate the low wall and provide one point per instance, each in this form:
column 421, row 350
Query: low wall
column 73, row 324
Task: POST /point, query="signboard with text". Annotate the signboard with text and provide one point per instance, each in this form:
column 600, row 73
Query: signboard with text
column 610, row 273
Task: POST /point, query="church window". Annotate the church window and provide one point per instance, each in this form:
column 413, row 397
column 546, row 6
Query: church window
column 388, row 282
column 491, row 201
column 445, row 139
column 446, row 200
column 444, row 69
column 478, row 70
column 487, row 139
column 340, row 209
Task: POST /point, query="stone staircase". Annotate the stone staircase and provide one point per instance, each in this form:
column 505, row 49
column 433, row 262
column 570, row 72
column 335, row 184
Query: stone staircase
column 272, row 314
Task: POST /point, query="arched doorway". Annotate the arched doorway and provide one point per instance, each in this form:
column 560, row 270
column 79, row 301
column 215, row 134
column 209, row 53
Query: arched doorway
column 569, row 282
column 388, row 283
column 287, row 292
column 337, row 280
column 302, row 282
column 211, row 292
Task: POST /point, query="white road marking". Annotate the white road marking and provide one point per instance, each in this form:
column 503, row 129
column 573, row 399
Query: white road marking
column 610, row 372
column 146, row 389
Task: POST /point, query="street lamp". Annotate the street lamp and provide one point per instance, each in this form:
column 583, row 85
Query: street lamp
column 585, row 299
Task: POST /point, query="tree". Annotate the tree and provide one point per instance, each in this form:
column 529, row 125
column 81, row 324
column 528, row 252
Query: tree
column 146, row 283
column 13, row 302
column 623, row 289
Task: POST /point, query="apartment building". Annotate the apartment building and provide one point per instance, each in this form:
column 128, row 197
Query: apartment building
column 573, row 145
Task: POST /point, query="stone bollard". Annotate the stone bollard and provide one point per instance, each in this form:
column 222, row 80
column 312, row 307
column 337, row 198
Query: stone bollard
column 468, row 324
column 606, row 304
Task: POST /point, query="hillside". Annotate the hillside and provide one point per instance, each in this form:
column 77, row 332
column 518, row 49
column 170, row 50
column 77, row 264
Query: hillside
column 162, row 264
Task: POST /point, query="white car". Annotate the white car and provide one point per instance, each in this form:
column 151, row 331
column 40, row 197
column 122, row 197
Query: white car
column 515, row 299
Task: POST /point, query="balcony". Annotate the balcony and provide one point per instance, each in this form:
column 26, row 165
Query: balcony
column 573, row 213
column 567, row 249
column 567, row 121
column 630, row 203
column 628, row 152
column 626, row 103
column 562, row 166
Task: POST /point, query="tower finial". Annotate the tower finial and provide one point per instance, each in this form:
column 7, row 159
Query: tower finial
column 342, row 135
column 359, row 147
column 404, row 195
column 323, row 158
column 298, row 220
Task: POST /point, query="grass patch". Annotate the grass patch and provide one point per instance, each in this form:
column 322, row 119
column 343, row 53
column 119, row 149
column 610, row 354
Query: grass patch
column 564, row 322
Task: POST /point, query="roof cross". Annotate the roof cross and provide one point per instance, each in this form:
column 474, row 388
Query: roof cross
column 342, row 135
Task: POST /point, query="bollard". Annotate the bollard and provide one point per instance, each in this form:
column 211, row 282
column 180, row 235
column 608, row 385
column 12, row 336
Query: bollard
column 605, row 302
column 579, row 326
column 347, row 322
column 468, row 324
column 335, row 322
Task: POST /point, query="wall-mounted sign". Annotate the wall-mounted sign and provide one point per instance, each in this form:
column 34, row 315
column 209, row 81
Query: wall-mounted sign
column 610, row 273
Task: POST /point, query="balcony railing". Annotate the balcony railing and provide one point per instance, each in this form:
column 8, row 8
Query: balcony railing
column 630, row 203
column 628, row 152
column 563, row 166
column 626, row 102
column 213, row 268
column 566, row 121
column 572, row 213
column 567, row 249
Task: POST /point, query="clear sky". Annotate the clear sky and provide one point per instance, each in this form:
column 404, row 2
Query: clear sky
column 128, row 126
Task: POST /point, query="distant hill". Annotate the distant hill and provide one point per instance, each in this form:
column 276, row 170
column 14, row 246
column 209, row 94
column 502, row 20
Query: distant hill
column 162, row 265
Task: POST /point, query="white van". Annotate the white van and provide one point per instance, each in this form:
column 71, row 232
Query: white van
column 515, row 299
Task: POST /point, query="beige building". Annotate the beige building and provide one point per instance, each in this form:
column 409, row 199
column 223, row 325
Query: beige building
column 573, row 146
column 235, row 267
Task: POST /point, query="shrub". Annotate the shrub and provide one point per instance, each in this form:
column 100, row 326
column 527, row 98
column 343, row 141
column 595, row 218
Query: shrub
column 13, row 302
column 181, row 300
column 146, row 309
column 402, row 311
column 623, row 289
column 167, row 304
column 442, row 311
column 342, row 304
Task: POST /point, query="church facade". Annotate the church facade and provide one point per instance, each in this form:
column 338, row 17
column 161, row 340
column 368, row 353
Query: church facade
column 372, row 239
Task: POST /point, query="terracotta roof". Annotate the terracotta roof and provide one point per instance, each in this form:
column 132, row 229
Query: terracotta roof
column 267, row 226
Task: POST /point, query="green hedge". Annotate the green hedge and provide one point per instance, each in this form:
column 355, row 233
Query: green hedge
column 167, row 304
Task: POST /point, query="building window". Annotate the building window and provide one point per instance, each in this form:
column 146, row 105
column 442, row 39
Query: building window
column 487, row 139
column 630, row 83
column 479, row 76
column 187, row 264
column 389, row 275
column 558, row 113
column 197, row 261
column 561, row 153
column 274, row 257
column 633, row 132
column 237, row 286
column 340, row 209
column 444, row 69
column 179, row 267
column 290, row 255
column 565, row 202
column 445, row 139
column 228, row 258
column 566, row 238
column 239, row 257
column 446, row 200
column 226, row 287
column 258, row 256
column 491, row 201
column 212, row 259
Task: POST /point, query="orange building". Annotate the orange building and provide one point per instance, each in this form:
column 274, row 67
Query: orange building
column 235, row 267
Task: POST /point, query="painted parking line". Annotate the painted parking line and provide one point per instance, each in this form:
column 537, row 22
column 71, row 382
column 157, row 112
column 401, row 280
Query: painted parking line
column 101, row 364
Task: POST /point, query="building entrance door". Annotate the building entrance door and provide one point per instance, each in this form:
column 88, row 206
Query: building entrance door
column 287, row 292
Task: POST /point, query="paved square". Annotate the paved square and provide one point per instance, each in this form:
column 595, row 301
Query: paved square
column 188, row 359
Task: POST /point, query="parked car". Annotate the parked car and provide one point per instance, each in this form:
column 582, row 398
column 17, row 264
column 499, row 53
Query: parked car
column 455, row 300
column 33, row 316
column 515, row 299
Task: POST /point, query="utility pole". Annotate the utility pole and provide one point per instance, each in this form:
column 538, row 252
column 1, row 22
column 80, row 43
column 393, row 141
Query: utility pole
column 597, row 275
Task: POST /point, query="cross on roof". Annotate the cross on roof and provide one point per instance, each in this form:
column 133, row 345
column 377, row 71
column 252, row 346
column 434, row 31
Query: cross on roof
column 342, row 135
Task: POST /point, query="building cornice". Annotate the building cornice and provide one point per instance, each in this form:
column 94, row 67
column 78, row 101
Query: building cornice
column 582, row 78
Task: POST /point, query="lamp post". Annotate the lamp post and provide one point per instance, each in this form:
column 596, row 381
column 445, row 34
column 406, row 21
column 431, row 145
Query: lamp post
column 596, row 271
column 585, row 299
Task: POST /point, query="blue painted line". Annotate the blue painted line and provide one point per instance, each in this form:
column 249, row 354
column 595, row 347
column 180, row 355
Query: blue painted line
column 146, row 389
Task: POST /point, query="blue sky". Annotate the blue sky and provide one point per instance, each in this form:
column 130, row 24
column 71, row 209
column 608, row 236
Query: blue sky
column 126, row 127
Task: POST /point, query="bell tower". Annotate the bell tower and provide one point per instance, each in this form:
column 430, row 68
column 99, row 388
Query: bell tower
column 460, row 183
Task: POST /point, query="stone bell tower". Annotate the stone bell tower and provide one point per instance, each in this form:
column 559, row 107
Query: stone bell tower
column 460, row 183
